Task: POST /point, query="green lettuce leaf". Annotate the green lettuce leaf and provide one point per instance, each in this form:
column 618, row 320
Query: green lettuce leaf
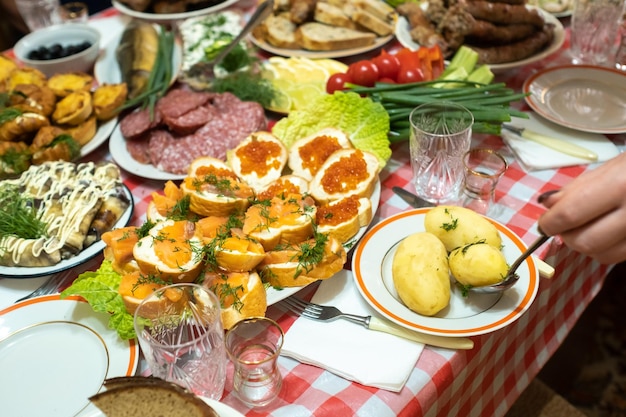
column 99, row 289
column 365, row 121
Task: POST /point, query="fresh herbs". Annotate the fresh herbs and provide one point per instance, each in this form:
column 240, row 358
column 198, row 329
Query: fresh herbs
column 9, row 114
column 246, row 85
column 18, row 215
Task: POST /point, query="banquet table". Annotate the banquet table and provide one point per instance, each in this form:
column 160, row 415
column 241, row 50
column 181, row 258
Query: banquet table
column 483, row 381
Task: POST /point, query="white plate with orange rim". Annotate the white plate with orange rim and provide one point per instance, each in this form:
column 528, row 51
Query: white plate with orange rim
column 172, row 17
column 275, row 295
column 55, row 354
column 581, row 97
column 404, row 37
column 465, row 316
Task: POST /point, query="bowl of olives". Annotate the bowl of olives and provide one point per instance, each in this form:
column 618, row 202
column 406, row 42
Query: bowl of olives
column 57, row 49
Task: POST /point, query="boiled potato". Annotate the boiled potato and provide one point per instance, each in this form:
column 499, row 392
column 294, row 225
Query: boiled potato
column 459, row 226
column 421, row 275
column 478, row 264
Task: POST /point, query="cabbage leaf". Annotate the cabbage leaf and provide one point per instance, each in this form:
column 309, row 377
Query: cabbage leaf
column 365, row 121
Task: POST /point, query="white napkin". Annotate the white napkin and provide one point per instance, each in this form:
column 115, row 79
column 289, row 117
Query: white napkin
column 534, row 156
column 347, row 349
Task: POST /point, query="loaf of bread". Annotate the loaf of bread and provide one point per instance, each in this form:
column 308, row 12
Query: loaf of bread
column 279, row 31
column 148, row 396
column 316, row 36
column 332, row 15
column 372, row 22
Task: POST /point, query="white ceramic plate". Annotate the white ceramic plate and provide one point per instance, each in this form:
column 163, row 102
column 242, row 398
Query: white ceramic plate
column 102, row 134
column 342, row 53
column 86, row 254
column 477, row 314
column 274, row 295
column 222, row 409
column 107, row 70
column 123, row 158
column 170, row 17
column 55, row 354
column 582, row 97
column 404, row 37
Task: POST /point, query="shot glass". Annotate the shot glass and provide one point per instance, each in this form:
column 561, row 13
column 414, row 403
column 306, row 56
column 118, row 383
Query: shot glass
column 253, row 345
column 483, row 169
column 74, row 12
column 594, row 31
column 180, row 333
column 441, row 133
column 38, row 14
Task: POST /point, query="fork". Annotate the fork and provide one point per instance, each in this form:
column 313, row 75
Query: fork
column 52, row 285
column 329, row 313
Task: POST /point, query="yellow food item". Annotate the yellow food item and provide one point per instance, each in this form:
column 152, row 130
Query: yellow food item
column 66, row 83
column 73, row 109
column 420, row 273
column 24, row 76
column 459, row 226
column 477, row 265
column 107, row 100
column 7, row 65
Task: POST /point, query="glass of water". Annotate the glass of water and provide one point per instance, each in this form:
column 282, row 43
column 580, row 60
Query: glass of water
column 441, row 133
column 253, row 345
column 38, row 14
column 179, row 328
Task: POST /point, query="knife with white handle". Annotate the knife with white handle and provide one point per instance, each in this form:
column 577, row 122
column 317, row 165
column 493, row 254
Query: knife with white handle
column 427, row 339
column 560, row 145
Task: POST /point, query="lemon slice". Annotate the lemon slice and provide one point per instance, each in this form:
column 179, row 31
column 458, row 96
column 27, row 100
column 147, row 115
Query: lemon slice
column 281, row 103
column 302, row 94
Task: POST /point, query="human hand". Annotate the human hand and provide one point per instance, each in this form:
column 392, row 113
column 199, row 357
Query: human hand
column 590, row 212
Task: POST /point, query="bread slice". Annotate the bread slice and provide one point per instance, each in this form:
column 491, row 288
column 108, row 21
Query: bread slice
column 280, row 31
column 291, row 267
column 378, row 8
column 307, row 155
column 342, row 219
column 148, row 396
column 332, row 15
column 372, row 22
column 346, row 172
column 241, row 294
column 285, row 185
column 259, row 159
column 214, row 189
column 316, row 36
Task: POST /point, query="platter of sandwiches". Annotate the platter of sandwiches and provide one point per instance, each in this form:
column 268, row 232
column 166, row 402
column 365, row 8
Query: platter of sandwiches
column 325, row 29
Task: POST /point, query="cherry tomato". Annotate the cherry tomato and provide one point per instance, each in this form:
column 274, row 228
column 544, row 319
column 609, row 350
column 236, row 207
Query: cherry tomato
column 363, row 73
column 409, row 74
column 337, row 81
column 387, row 80
column 388, row 65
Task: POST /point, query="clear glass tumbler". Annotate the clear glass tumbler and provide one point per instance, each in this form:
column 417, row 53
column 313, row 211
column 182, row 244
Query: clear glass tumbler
column 441, row 133
column 74, row 12
column 594, row 31
column 253, row 345
column 483, row 169
column 38, row 14
column 179, row 328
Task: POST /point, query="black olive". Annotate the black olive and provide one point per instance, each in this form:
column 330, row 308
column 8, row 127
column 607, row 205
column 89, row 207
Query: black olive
column 56, row 51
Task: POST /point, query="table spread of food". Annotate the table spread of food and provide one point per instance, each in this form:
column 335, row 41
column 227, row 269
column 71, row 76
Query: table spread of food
column 269, row 164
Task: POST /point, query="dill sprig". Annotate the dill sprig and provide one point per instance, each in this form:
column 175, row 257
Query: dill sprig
column 18, row 215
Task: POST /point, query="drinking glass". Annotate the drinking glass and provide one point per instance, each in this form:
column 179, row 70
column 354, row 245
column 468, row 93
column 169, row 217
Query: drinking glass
column 74, row 12
column 441, row 133
column 180, row 332
column 483, row 169
column 253, row 345
column 594, row 30
column 38, row 14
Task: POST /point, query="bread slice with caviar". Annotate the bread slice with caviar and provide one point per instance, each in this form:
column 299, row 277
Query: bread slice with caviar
column 346, row 172
column 149, row 396
column 285, row 185
column 307, row 155
column 342, row 219
column 315, row 36
column 259, row 159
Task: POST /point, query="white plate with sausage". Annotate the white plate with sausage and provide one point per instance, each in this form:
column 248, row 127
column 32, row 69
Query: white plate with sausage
column 404, row 37
column 465, row 316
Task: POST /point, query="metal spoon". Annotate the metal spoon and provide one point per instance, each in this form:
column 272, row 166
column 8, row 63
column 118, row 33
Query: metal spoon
column 511, row 277
column 206, row 69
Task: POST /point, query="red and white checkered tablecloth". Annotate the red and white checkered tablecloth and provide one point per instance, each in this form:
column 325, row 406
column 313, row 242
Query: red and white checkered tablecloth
column 484, row 381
